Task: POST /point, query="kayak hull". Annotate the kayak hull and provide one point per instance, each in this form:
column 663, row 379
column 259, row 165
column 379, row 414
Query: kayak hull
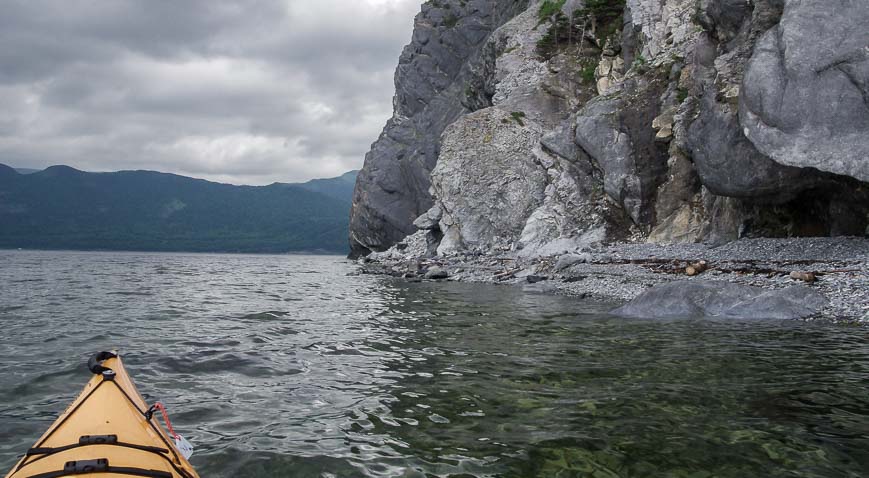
column 106, row 432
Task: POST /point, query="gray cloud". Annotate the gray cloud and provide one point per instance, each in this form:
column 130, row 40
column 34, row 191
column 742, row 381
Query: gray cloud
column 243, row 91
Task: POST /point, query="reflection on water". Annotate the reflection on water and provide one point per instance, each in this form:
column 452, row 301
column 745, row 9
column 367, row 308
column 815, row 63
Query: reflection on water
column 296, row 366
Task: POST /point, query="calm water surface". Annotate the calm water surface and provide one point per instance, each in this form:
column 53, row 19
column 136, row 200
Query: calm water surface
column 279, row 366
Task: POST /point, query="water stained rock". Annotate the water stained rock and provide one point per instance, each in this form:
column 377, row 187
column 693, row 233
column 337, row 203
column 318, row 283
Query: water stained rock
column 694, row 299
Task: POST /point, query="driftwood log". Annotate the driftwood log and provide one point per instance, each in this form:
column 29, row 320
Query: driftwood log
column 769, row 268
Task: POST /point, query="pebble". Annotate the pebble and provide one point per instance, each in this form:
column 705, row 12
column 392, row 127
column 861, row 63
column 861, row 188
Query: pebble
column 595, row 275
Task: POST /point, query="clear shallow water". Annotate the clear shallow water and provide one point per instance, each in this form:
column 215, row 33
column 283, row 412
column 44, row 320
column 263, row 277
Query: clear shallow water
column 294, row 366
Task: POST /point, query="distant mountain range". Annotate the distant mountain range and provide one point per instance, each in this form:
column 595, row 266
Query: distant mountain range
column 340, row 188
column 64, row 208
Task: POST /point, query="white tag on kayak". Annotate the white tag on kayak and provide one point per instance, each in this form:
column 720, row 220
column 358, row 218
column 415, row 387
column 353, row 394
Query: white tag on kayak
column 184, row 446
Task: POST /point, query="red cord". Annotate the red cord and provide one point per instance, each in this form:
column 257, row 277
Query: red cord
column 159, row 406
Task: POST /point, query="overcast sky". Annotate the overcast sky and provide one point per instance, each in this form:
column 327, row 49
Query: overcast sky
column 243, row 91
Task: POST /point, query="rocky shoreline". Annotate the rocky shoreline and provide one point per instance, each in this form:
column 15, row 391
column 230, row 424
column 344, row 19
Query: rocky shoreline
column 837, row 268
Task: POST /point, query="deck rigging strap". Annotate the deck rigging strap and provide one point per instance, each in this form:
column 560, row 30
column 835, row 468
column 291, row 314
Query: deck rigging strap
column 117, row 470
column 86, row 442
column 40, row 453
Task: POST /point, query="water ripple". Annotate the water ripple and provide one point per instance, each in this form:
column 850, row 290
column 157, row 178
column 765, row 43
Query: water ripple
column 298, row 366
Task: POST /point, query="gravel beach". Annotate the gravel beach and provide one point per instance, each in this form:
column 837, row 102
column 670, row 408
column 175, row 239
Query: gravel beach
column 838, row 268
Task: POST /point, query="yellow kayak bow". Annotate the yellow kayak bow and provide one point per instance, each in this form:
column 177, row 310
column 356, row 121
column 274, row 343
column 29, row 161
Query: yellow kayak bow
column 107, row 432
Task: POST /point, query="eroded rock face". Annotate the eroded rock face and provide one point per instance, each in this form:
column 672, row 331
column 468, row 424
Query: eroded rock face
column 616, row 132
column 805, row 98
column 522, row 82
column 696, row 299
column 680, row 121
column 728, row 163
column 723, row 18
column 488, row 180
column 431, row 82
column 550, row 200
column 574, row 213
column 666, row 26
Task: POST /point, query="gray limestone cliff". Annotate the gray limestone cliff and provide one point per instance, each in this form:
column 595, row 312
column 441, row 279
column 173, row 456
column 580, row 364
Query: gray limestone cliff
column 544, row 126
column 432, row 84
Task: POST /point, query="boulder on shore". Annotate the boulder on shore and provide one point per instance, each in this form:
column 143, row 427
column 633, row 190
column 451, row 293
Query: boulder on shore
column 568, row 260
column 690, row 299
column 436, row 273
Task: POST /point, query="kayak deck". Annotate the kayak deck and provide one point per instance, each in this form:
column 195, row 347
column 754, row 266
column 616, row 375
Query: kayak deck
column 108, row 431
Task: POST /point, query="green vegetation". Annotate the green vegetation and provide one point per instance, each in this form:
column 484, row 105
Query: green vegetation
column 603, row 18
column 600, row 18
column 62, row 208
column 602, row 11
column 558, row 35
column 588, row 72
column 639, row 63
column 681, row 95
column 451, row 20
column 518, row 116
column 550, row 8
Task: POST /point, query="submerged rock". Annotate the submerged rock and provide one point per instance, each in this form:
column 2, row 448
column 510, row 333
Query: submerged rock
column 533, row 279
column 684, row 299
